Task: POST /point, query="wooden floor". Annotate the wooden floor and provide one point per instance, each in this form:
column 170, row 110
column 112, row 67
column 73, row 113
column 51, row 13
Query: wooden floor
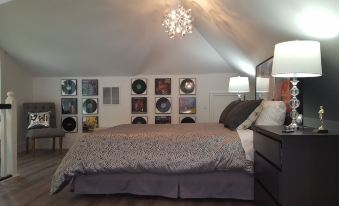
column 32, row 187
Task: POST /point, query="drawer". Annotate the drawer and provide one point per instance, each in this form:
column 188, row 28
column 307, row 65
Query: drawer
column 269, row 148
column 267, row 175
column 261, row 197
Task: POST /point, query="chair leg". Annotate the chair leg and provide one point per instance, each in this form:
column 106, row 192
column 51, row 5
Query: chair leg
column 33, row 146
column 60, row 144
column 53, row 143
column 27, row 144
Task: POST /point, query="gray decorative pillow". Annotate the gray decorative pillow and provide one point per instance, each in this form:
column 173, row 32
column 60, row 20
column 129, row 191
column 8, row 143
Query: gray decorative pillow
column 229, row 107
column 240, row 113
column 38, row 120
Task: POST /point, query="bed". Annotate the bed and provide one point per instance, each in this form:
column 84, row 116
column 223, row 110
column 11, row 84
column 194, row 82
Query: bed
column 203, row 160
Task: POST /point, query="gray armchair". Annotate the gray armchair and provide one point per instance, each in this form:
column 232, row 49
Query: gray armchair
column 51, row 132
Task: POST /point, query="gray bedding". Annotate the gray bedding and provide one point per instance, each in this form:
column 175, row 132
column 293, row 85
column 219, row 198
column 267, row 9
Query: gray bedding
column 162, row 149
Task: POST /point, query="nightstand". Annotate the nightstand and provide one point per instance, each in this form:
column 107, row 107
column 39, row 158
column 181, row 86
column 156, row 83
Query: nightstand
column 295, row 169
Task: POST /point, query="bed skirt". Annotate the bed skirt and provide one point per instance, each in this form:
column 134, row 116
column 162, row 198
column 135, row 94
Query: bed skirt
column 228, row 185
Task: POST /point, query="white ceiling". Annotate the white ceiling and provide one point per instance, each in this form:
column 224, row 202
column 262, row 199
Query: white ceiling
column 111, row 37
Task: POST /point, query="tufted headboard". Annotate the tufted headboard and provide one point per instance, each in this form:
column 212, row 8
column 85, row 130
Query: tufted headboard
column 40, row 107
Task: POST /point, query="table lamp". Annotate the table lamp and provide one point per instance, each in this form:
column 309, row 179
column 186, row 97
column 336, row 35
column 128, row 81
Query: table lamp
column 295, row 59
column 239, row 85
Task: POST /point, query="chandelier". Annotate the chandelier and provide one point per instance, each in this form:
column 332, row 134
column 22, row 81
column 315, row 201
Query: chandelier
column 178, row 21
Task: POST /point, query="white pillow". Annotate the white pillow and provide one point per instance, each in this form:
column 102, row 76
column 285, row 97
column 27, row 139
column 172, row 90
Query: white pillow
column 273, row 113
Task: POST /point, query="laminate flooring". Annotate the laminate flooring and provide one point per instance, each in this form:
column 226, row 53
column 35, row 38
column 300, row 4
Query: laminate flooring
column 31, row 188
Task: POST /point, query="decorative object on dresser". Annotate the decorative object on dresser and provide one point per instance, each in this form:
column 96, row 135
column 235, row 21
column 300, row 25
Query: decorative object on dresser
column 162, row 86
column 139, row 120
column 239, row 85
column 187, row 86
column 68, row 87
column 90, row 87
column 163, row 105
column 89, row 123
column 321, row 128
column 69, row 106
column 90, row 106
column 70, row 123
column 295, row 169
column 139, row 86
column 38, row 133
column 139, row 105
column 187, row 105
column 296, row 59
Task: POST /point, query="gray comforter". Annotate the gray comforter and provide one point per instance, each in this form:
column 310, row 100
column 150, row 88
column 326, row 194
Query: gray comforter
column 164, row 149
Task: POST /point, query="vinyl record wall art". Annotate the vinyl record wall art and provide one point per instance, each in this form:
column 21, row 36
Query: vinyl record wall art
column 163, row 120
column 187, row 105
column 89, row 123
column 69, row 106
column 187, row 86
column 70, row 124
column 139, row 105
column 139, row 120
column 187, row 120
column 163, row 105
column 90, row 87
column 68, row 87
column 163, row 86
column 90, row 106
column 139, row 86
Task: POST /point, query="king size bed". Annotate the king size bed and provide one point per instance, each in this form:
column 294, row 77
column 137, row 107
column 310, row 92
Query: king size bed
column 203, row 160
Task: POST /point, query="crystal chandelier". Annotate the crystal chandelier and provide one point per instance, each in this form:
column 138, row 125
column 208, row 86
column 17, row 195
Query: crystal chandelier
column 178, row 21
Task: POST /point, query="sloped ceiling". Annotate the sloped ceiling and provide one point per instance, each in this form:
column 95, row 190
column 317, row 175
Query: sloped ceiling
column 111, row 37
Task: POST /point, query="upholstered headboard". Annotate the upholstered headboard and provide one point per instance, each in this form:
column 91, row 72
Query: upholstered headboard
column 40, row 107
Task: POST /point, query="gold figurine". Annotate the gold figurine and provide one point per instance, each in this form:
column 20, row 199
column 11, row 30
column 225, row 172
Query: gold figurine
column 321, row 113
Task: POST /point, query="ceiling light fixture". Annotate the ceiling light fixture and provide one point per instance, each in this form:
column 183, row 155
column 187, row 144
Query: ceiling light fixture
column 178, row 21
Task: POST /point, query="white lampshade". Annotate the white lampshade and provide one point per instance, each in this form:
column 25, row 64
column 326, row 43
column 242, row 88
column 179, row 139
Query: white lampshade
column 238, row 85
column 297, row 59
column 263, row 84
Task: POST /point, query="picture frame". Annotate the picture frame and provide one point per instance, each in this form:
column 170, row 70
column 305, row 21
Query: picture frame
column 69, row 87
column 90, row 106
column 187, row 105
column 162, row 86
column 139, row 86
column 69, row 105
column 187, row 119
column 163, row 120
column 187, row 86
column 89, row 123
column 139, row 105
column 163, row 105
column 90, row 87
column 139, row 120
column 69, row 124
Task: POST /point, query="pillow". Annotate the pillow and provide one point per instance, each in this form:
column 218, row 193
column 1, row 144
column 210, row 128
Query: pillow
column 227, row 110
column 273, row 113
column 38, row 120
column 240, row 113
column 252, row 118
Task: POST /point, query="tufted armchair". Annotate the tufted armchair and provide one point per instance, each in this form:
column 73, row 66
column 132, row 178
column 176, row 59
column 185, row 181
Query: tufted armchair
column 51, row 132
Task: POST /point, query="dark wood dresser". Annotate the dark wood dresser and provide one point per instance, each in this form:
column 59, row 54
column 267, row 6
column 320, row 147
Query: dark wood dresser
column 296, row 169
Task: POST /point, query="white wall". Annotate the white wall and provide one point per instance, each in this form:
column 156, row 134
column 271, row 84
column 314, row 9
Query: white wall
column 15, row 78
column 48, row 89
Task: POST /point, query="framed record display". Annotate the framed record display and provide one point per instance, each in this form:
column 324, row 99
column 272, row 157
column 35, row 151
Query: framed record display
column 139, row 86
column 89, row 123
column 163, row 105
column 139, row 120
column 163, row 120
column 69, row 106
column 69, row 123
column 69, row 87
column 190, row 119
column 187, row 105
column 90, row 106
column 90, row 87
column 187, row 86
column 139, row 105
column 163, row 86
